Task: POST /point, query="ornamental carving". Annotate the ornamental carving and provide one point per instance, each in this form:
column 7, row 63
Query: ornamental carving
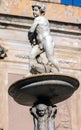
column 2, row 52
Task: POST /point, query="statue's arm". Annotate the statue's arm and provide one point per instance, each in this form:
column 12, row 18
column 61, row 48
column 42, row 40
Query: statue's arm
column 33, row 112
column 52, row 111
column 32, row 32
column 34, row 25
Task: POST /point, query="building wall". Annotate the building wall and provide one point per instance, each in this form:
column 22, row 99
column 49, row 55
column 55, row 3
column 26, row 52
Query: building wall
column 55, row 11
column 15, row 21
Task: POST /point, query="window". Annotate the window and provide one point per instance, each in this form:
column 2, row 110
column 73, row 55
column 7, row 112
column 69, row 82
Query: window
column 71, row 2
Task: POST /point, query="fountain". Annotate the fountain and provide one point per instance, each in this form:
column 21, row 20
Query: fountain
column 43, row 89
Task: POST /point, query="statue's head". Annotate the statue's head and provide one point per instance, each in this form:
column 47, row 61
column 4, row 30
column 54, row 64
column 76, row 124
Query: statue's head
column 41, row 109
column 38, row 9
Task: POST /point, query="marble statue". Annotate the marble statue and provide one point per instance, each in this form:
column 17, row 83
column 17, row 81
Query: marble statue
column 41, row 41
column 43, row 116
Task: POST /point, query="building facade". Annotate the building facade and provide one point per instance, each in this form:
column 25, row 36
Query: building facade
column 65, row 23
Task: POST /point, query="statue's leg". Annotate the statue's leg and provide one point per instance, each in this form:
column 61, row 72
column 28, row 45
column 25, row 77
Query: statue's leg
column 49, row 50
column 35, row 52
column 35, row 65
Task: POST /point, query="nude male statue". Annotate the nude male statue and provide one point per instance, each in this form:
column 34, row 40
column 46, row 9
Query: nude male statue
column 40, row 38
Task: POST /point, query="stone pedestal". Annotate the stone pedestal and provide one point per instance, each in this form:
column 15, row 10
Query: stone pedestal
column 42, row 92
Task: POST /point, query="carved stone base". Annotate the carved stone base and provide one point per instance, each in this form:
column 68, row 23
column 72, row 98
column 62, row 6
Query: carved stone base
column 43, row 116
column 42, row 91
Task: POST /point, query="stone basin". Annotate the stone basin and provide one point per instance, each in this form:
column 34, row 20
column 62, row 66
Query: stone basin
column 52, row 88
